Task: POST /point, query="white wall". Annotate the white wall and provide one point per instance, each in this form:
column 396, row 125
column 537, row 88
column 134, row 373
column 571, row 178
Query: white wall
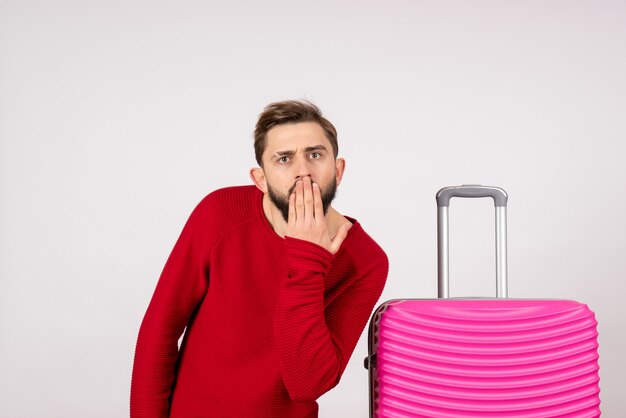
column 117, row 117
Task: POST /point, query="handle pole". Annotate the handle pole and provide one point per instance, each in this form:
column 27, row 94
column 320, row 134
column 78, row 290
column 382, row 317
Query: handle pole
column 443, row 252
column 502, row 290
column 443, row 235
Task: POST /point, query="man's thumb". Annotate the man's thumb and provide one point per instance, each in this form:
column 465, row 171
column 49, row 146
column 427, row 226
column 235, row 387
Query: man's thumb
column 341, row 235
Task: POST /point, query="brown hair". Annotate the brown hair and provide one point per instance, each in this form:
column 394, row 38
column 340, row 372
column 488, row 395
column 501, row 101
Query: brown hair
column 290, row 111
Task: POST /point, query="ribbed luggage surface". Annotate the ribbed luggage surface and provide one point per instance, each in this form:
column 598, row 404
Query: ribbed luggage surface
column 485, row 358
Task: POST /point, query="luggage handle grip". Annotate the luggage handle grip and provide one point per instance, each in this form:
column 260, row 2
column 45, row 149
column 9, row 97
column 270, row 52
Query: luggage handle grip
column 471, row 190
column 443, row 201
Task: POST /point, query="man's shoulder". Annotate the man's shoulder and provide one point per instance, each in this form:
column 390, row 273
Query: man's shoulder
column 366, row 256
column 362, row 245
column 230, row 195
column 229, row 198
column 227, row 206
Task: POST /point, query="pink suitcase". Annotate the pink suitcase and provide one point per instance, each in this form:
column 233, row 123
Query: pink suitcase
column 474, row 357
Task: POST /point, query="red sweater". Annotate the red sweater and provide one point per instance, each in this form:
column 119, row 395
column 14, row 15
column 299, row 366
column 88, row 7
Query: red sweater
column 271, row 322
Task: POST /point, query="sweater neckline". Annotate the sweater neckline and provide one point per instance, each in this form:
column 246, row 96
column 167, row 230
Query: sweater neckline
column 356, row 226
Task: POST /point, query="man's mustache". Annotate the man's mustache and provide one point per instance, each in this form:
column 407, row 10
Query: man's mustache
column 292, row 188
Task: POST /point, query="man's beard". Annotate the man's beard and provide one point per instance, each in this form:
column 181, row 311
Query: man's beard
column 282, row 203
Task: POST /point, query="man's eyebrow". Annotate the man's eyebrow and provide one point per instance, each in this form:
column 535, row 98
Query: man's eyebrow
column 289, row 153
column 283, row 153
column 316, row 148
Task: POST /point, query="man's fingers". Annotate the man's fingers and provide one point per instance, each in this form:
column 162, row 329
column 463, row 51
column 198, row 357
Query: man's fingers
column 336, row 242
column 292, row 209
column 299, row 201
column 317, row 203
column 308, row 199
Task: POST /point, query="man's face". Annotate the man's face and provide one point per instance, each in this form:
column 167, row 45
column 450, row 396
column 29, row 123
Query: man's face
column 294, row 151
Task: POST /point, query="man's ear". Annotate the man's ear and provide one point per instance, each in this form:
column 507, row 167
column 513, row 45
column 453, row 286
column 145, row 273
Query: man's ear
column 258, row 178
column 340, row 166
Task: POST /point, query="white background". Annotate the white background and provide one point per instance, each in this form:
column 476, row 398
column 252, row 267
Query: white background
column 117, row 117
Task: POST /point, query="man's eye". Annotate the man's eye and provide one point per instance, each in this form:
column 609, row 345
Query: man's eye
column 283, row 159
column 316, row 155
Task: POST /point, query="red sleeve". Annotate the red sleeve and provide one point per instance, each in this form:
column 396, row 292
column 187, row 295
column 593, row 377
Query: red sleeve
column 314, row 344
column 180, row 288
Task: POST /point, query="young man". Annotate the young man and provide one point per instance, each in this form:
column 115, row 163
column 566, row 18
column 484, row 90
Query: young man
column 272, row 284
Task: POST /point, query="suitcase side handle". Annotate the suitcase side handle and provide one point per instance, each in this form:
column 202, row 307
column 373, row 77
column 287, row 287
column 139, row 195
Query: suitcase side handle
column 500, row 199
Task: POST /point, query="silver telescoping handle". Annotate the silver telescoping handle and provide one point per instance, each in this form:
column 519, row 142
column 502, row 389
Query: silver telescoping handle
column 443, row 201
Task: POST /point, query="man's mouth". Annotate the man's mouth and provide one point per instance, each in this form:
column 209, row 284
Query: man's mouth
column 292, row 188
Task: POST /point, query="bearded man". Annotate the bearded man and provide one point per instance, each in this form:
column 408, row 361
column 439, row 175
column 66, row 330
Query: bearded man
column 272, row 285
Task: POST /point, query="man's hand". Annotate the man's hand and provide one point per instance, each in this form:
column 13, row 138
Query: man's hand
column 306, row 217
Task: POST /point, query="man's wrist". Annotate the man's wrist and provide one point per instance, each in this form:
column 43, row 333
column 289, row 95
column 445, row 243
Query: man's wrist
column 306, row 255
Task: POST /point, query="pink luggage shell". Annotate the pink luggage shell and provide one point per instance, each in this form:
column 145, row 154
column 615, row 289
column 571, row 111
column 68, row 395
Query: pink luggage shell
column 484, row 358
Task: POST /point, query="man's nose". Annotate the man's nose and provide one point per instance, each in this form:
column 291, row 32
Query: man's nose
column 302, row 168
